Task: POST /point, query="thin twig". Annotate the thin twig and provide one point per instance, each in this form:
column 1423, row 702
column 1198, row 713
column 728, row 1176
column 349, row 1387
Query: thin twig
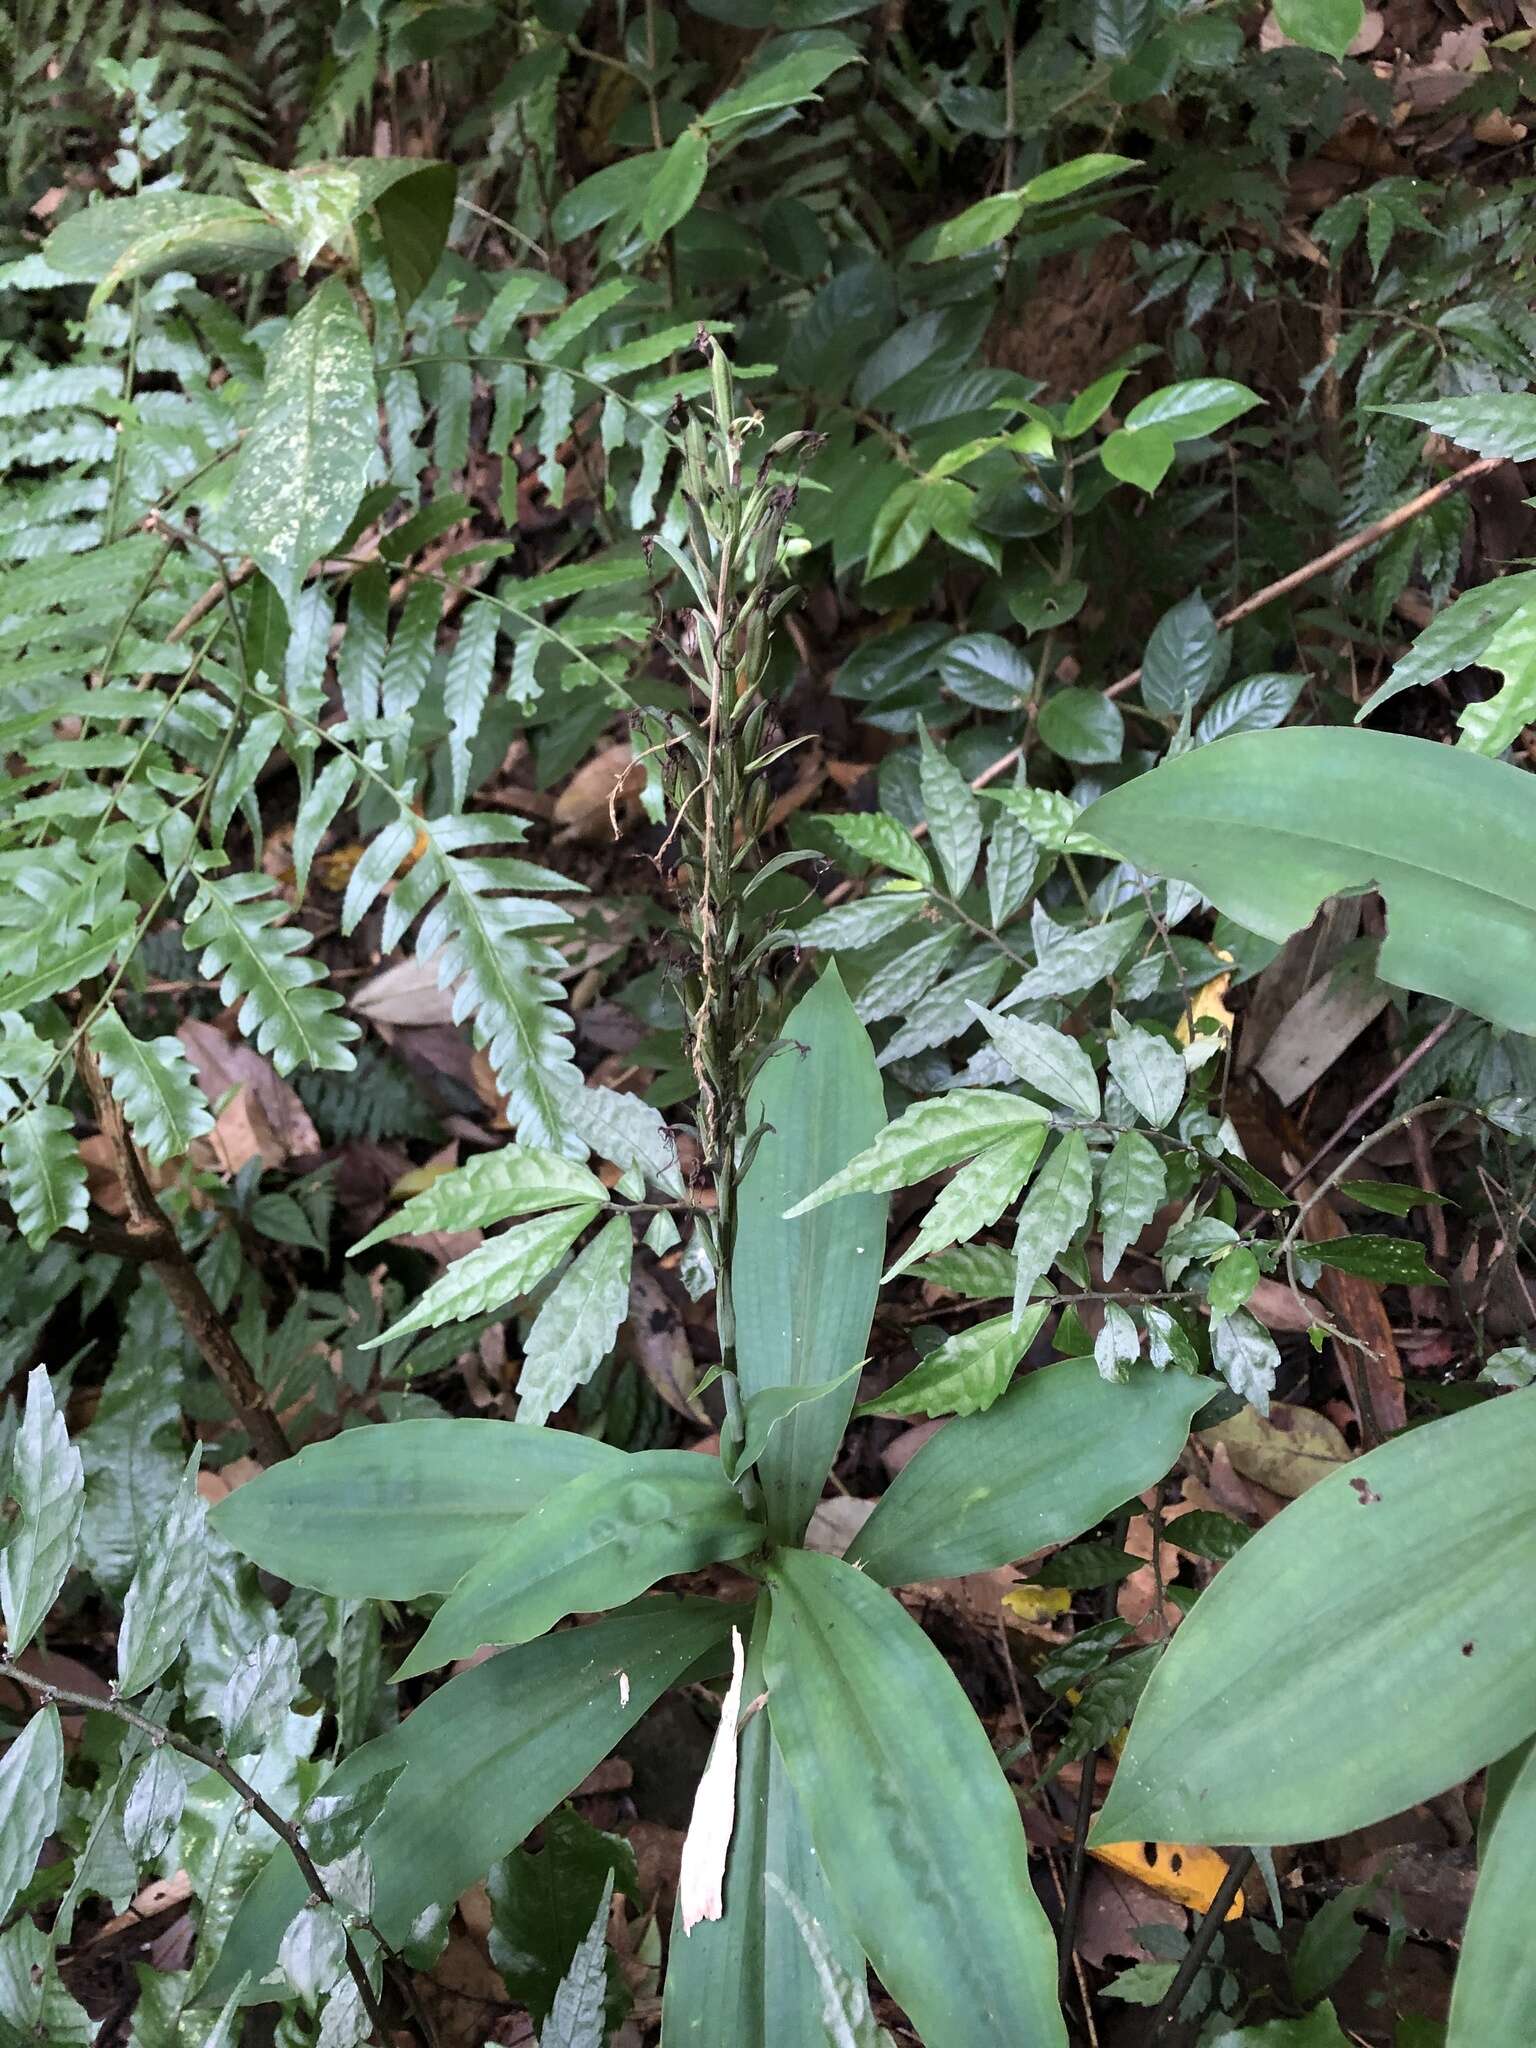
column 1404, row 1065
column 215, row 1760
column 1205, row 1934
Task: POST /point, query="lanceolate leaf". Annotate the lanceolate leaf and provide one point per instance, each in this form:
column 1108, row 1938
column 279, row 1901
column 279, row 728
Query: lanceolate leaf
column 925, row 1139
column 494, row 1273
column 31, row 1772
column 913, row 1822
column 163, row 1599
column 387, row 1512
column 574, row 1330
column 977, row 1196
column 747, row 1978
column 965, row 1374
column 1399, row 1698
column 1056, row 1454
column 1494, row 1998
column 1054, row 1210
column 805, row 1288
column 1268, row 824
column 596, row 1543
column 48, row 1485
column 1131, row 1191
column 522, row 1730
column 304, row 465
column 954, row 817
column 1150, row 1072
column 153, row 1080
column 1045, row 1059
column 488, row 1189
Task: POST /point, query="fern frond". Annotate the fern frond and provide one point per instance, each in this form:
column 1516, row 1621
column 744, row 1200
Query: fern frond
column 234, row 927
column 45, row 1172
column 153, row 1080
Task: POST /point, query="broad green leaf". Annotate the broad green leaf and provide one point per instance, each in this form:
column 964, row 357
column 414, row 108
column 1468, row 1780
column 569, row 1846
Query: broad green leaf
column 943, row 1011
column 154, row 1804
column 598, row 1542
column 542, row 1905
column 494, row 1273
column 303, row 466
column 925, row 1139
column 1380, row 1736
column 1056, row 1454
column 132, row 1451
column 874, row 836
column 931, row 1872
column 316, row 204
column 44, row 1171
column 1142, row 457
column 258, row 1693
column 1489, row 422
column 1049, row 818
column 1233, row 1279
column 489, row 1188
column 976, row 1196
column 1326, row 25
column 1269, row 824
column 31, row 1772
column 1319, row 2029
column 1256, row 704
column 1184, row 657
column 747, row 1978
column 522, row 1730
column 575, row 1328
column 1394, row 1261
column 116, row 240
column 676, row 185
column 47, row 1483
column 34, row 2005
column 1491, row 726
column 1045, row 1059
column 166, row 1591
column 1494, row 1997
column 805, row 1286
column 1390, row 1197
column 1076, row 175
column 977, row 228
column 153, row 1080
column 1187, row 412
column 1132, row 1187
column 1149, row 1071
column 1053, row 1212
column 1073, row 958
column 980, row 1272
column 1246, row 1356
column 1457, row 637
column 1082, row 725
column 967, row 1373
column 390, row 1511
column 954, row 817
column 900, row 527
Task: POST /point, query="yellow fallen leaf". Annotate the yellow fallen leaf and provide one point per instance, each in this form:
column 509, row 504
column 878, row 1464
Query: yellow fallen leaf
column 1189, row 1876
column 420, row 1178
column 1037, row 1603
column 1208, row 1001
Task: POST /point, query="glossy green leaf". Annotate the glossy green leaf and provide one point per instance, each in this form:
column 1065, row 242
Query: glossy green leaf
column 494, row 1273
column 542, row 1905
column 1052, row 1213
column 303, row 466
column 522, row 1730
column 1188, row 411
column 1394, row 1261
column 1459, row 636
column 782, row 78
column 1246, row 1356
column 597, row 1543
column 1390, row 1197
column 1148, row 1069
column 47, row 1483
column 1079, row 172
column 390, row 1511
column 1489, row 422
column 1184, row 657
column 977, row 228
column 1233, row 1279
column 577, row 1323
column 1045, row 1059
column 1142, row 458
column 31, row 1773
column 166, row 1592
column 1494, row 1997
column 966, row 1373
column 874, row 836
column 1057, row 1453
column 747, row 1978
column 1269, row 824
column 1082, row 725
column 153, row 1080
column 954, row 817
column 805, row 1285
column 1399, row 1698
column 913, row 1822
column 926, row 1139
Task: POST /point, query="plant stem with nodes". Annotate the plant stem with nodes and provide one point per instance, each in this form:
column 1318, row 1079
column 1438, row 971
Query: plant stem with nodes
column 715, row 780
